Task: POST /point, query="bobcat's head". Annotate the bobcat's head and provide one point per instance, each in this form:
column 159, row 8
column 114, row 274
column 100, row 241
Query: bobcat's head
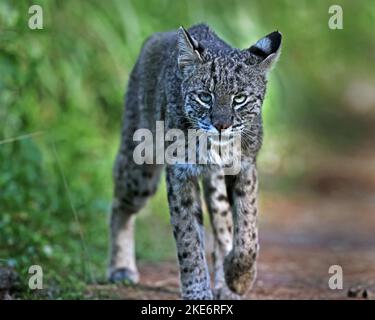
column 223, row 88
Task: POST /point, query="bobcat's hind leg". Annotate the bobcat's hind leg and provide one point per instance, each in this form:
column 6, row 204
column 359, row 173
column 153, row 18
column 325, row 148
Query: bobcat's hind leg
column 219, row 209
column 134, row 184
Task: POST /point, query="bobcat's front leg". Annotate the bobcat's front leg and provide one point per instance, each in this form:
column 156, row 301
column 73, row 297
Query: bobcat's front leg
column 240, row 263
column 186, row 219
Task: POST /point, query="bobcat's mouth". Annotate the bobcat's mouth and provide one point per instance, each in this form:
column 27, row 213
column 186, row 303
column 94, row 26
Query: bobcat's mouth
column 220, row 140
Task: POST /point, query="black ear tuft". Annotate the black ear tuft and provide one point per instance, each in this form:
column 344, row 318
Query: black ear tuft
column 189, row 50
column 194, row 43
column 267, row 50
column 267, row 45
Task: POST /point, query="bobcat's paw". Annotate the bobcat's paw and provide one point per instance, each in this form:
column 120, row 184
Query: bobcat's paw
column 239, row 275
column 124, row 275
column 225, row 293
column 204, row 294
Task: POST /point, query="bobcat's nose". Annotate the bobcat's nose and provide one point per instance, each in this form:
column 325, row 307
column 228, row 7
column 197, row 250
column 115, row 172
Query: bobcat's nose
column 222, row 124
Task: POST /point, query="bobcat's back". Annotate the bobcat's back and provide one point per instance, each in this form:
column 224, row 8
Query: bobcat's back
column 146, row 83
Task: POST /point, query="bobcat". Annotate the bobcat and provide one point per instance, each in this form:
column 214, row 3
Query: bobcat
column 193, row 79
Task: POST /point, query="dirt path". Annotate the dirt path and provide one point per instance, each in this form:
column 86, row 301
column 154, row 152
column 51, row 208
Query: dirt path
column 301, row 236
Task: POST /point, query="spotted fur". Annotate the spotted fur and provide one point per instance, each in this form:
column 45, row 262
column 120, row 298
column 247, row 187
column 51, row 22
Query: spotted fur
column 192, row 79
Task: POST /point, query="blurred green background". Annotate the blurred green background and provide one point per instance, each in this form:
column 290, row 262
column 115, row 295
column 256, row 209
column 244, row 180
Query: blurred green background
column 64, row 85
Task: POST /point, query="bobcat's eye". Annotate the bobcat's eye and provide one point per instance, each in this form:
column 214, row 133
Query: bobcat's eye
column 241, row 98
column 205, row 97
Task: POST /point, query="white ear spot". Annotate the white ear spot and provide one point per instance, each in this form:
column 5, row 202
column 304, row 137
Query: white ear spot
column 264, row 44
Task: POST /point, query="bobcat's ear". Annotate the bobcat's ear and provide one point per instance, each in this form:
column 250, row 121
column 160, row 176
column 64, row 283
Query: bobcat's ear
column 268, row 49
column 189, row 50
